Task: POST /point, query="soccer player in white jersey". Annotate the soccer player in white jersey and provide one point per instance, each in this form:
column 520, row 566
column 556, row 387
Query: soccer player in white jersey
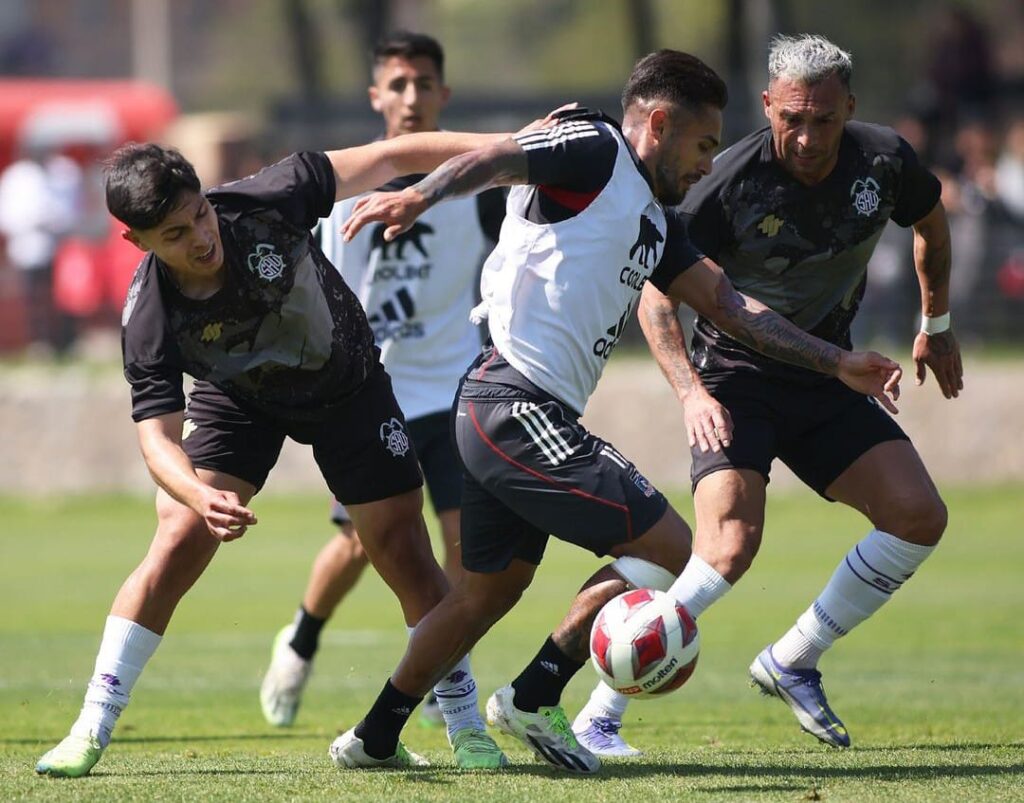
column 792, row 213
column 585, row 229
column 417, row 292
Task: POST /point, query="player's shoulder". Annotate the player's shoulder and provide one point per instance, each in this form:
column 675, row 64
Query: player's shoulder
column 732, row 167
column 572, row 125
column 144, row 289
column 874, row 139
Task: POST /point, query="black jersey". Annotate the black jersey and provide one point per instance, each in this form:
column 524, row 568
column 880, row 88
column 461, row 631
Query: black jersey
column 803, row 251
column 284, row 334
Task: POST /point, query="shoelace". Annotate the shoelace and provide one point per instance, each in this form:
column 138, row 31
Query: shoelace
column 607, row 726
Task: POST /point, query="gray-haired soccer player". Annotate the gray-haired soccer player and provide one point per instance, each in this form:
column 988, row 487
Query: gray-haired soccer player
column 792, row 214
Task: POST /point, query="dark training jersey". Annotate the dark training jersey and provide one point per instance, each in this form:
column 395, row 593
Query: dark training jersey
column 803, row 251
column 284, row 336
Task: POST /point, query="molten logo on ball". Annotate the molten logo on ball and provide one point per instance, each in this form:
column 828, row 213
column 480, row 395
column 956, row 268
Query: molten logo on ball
column 644, row 643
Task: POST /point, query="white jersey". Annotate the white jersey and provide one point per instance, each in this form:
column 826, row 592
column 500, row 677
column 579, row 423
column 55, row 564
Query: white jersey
column 417, row 292
column 559, row 294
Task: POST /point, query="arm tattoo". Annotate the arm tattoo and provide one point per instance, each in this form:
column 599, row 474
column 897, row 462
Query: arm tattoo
column 664, row 333
column 932, row 260
column 475, row 171
column 754, row 325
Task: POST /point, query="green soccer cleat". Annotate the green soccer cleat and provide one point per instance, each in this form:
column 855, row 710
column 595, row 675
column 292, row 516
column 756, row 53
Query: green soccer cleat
column 475, row 750
column 546, row 733
column 72, row 758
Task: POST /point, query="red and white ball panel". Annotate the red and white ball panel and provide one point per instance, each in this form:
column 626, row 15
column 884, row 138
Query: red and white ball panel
column 644, row 643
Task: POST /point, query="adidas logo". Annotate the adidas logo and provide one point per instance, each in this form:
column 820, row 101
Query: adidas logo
column 396, row 318
column 552, row 667
column 603, row 346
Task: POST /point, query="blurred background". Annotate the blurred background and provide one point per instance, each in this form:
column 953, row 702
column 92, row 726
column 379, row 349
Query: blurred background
column 235, row 84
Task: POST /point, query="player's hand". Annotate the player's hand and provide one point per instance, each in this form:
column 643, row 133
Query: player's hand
column 226, row 518
column 870, row 373
column 941, row 353
column 708, row 423
column 548, row 121
column 397, row 210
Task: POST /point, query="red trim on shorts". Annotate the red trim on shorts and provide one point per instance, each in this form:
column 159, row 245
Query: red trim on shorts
column 576, row 201
column 550, row 480
column 483, row 368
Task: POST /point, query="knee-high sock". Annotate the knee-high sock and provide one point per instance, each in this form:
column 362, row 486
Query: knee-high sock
column 862, row 583
column 457, row 697
column 697, row 588
column 124, row 651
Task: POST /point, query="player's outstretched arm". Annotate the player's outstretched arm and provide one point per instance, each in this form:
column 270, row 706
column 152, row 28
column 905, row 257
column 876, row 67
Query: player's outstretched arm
column 365, row 167
column 708, row 290
column 938, row 349
column 500, row 163
column 171, row 469
column 708, row 423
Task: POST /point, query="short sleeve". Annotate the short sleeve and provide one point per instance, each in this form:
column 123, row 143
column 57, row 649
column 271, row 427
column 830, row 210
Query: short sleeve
column 576, row 155
column 679, row 254
column 301, row 187
column 703, row 216
column 919, row 188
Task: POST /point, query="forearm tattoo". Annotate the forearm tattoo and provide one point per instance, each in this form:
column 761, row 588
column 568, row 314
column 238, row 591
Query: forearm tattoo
column 933, row 259
column 474, row 171
column 664, row 333
column 753, row 324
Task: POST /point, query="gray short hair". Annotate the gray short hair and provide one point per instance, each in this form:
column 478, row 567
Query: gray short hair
column 808, row 58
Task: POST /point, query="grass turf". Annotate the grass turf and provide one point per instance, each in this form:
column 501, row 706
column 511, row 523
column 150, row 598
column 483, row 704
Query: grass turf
column 932, row 690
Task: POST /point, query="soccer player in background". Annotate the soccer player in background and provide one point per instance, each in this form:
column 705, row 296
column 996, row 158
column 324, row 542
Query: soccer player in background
column 234, row 291
column 417, row 292
column 792, row 214
column 585, row 229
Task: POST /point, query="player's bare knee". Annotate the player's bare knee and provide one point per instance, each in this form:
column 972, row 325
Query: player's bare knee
column 730, row 546
column 920, row 519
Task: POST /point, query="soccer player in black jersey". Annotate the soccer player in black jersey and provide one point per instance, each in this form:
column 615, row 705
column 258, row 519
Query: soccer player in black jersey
column 792, row 213
column 234, row 292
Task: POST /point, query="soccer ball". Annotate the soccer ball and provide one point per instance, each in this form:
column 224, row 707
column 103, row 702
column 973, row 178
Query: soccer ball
column 644, row 643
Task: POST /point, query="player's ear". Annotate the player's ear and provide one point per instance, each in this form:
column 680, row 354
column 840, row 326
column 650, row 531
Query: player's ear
column 658, row 123
column 374, row 94
column 446, row 93
column 766, row 101
column 851, row 105
column 133, row 238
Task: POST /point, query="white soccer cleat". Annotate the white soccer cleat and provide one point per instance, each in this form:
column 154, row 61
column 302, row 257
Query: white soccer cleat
column 281, row 691
column 74, row 757
column 600, row 735
column 348, row 753
column 546, row 733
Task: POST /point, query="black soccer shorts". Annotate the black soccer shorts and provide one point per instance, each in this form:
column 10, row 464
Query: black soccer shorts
column 531, row 469
column 432, row 439
column 363, row 448
column 817, row 430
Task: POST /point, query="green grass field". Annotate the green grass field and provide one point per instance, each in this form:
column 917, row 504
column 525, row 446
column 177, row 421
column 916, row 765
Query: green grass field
column 932, row 690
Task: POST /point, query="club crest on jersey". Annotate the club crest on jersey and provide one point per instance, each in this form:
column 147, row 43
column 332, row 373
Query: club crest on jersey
column 394, row 437
column 865, row 196
column 265, row 262
column 770, row 226
column 647, row 240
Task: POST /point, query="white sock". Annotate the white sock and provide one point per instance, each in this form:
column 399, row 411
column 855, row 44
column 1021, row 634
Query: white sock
column 457, row 697
column 697, row 588
column 862, row 583
column 124, row 651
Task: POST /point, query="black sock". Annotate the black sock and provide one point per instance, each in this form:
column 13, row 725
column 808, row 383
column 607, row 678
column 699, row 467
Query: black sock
column 542, row 682
column 306, row 639
column 381, row 727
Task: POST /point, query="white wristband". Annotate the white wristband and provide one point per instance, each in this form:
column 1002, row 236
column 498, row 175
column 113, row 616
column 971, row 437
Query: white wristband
column 933, row 326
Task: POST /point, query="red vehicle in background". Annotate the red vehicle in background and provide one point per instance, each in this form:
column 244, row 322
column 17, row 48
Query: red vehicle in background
column 81, row 121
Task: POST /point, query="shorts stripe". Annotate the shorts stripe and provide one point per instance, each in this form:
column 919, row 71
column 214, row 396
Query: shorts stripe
column 542, row 432
column 544, row 477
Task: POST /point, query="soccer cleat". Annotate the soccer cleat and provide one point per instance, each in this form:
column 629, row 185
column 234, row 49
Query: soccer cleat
column 475, row 750
column 72, row 758
column 284, row 682
column 430, row 712
column 546, row 733
column 800, row 689
column 348, row 753
column 600, row 735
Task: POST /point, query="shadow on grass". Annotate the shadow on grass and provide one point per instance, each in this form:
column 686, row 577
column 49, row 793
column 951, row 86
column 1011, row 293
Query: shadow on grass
column 239, row 737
